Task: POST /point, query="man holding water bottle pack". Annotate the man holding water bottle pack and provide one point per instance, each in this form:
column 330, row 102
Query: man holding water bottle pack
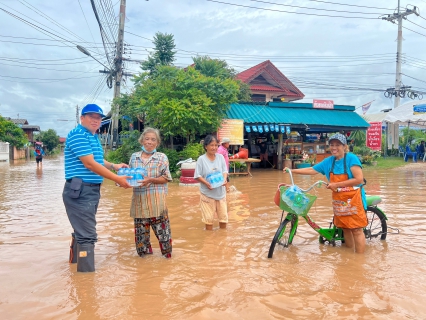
column 85, row 170
column 212, row 173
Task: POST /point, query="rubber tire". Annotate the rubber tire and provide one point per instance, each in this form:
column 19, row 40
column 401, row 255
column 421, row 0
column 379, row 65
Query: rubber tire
column 377, row 225
column 279, row 234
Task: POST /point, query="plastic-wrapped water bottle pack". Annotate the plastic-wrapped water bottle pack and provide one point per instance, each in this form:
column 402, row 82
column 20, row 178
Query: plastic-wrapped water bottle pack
column 295, row 199
column 136, row 174
column 215, row 179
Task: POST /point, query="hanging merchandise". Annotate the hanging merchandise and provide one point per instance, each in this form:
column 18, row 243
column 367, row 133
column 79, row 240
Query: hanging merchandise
column 254, row 128
column 282, row 129
column 260, row 129
column 271, row 127
column 287, row 129
column 266, row 128
column 248, row 129
column 277, row 128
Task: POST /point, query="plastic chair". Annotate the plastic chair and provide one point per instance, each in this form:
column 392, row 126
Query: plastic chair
column 420, row 154
column 409, row 153
column 401, row 152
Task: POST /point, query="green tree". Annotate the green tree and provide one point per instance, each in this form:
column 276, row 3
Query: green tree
column 220, row 69
column 182, row 102
column 10, row 132
column 163, row 55
column 213, row 67
column 123, row 153
column 50, row 139
column 359, row 137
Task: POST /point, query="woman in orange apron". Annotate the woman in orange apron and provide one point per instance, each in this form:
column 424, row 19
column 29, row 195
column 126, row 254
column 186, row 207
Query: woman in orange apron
column 344, row 172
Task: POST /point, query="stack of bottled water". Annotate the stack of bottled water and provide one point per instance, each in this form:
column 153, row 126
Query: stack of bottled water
column 295, row 199
column 215, row 179
column 136, row 174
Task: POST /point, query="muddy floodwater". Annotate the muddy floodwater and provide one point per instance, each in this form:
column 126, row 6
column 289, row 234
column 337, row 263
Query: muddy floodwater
column 224, row 274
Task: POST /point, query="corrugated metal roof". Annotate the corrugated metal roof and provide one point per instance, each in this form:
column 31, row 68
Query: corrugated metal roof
column 375, row 117
column 298, row 115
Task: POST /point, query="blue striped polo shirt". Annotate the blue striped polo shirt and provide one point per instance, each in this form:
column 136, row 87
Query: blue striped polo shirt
column 81, row 142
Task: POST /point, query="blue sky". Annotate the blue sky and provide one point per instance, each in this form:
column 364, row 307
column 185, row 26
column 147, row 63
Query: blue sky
column 348, row 58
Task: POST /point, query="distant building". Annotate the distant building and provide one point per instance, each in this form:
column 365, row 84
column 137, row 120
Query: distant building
column 267, row 83
column 28, row 129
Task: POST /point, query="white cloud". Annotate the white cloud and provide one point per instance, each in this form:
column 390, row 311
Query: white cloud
column 310, row 50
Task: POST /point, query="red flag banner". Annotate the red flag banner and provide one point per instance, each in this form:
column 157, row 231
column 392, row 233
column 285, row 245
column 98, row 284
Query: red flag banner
column 374, row 136
column 366, row 106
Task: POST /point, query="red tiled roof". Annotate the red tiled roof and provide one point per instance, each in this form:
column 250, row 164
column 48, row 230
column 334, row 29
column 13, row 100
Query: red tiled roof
column 273, row 76
column 259, row 87
column 62, row 140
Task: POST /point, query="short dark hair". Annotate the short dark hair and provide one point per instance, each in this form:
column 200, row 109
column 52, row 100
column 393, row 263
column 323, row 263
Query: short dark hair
column 209, row 139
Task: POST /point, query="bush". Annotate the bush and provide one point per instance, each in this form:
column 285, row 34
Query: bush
column 173, row 157
column 192, row 150
column 362, row 151
column 366, row 159
column 125, row 151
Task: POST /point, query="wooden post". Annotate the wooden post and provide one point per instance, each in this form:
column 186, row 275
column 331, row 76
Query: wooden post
column 280, row 152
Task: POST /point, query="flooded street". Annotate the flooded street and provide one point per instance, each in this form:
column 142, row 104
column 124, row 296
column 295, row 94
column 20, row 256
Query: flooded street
column 224, row 274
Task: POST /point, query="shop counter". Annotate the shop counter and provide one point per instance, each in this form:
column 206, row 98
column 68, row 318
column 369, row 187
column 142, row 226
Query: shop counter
column 248, row 162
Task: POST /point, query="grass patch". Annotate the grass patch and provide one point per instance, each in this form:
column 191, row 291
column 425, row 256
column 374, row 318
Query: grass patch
column 387, row 163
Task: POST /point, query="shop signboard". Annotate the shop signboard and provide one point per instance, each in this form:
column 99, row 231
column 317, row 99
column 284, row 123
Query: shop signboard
column 374, row 136
column 419, row 109
column 323, row 104
column 232, row 129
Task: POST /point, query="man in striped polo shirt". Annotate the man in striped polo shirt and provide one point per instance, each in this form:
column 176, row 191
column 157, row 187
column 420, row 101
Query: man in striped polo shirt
column 85, row 170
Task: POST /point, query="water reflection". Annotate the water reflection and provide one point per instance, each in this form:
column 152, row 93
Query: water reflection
column 219, row 274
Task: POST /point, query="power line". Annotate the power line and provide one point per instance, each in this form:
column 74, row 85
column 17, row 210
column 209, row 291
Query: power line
column 88, row 27
column 318, row 9
column 424, row 35
column 414, row 78
column 416, row 24
column 284, row 11
column 48, row 33
column 349, row 5
column 50, row 69
column 41, row 79
column 42, row 14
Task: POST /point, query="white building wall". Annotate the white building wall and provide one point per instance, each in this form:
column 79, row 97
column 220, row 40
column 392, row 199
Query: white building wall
column 4, row 151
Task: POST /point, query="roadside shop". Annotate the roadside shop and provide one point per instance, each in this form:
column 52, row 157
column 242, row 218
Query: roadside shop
column 291, row 131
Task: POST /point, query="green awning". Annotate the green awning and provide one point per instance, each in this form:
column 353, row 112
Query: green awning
column 299, row 115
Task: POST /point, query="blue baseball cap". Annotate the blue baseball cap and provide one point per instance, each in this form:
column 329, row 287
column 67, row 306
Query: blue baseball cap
column 92, row 108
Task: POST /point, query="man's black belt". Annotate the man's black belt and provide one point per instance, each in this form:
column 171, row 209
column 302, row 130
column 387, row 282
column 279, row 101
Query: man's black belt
column 86, row 183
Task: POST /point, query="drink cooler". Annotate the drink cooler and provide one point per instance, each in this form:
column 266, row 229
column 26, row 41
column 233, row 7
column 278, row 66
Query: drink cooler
column 187, row 177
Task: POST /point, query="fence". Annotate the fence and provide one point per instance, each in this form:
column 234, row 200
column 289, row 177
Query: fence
column 105, row 138
column 4, row 151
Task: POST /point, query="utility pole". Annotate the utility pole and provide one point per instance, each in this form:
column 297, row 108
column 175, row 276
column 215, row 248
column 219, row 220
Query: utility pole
column 77, row 115
column 118, row 72
column 398, row 17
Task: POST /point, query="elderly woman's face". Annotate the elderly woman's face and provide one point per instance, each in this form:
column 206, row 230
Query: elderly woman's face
column 211, row 148
column 150, row 141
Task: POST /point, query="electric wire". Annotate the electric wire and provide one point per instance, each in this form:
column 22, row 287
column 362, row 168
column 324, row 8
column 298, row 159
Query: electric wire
column 318, row 9
column 350, row 5
column 42, row 30
column 87, row 23
column 284, row 11
column 42, row 14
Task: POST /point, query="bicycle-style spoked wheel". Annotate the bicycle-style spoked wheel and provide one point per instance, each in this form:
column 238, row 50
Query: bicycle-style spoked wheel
column 283, row 236
column 377, row 226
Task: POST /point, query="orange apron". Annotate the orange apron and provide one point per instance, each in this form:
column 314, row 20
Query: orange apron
column 349, row 212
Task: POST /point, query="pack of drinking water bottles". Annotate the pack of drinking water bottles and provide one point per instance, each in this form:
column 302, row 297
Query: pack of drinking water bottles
column 296, row 200
column 215, row 179
column 137, row 175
